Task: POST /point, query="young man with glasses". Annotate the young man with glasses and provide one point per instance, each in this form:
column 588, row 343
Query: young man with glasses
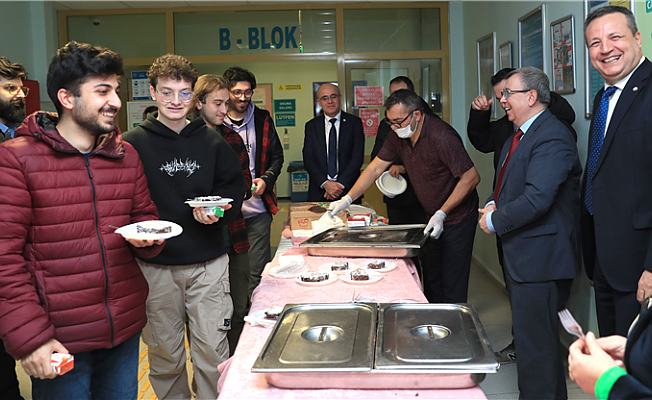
column 12, row 97
column 257, row 130
column 333, row 148
column 444, row 179
column 189, row 280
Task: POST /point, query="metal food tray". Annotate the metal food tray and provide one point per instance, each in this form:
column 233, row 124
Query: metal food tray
column 431, row 363
column 368, row 241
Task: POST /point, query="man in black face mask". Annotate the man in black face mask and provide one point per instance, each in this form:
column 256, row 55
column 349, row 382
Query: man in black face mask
column 12, row 97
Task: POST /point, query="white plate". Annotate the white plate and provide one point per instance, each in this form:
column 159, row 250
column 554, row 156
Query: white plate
column 129, row 231
column 327, row 268
column 373, row 278
column 219, row 203
column 274, row 272
column 389, row 266
column 331, row 278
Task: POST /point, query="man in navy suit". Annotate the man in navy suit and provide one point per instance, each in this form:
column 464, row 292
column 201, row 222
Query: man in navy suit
column 333, row 148
column 535, row 211
column 617, row 189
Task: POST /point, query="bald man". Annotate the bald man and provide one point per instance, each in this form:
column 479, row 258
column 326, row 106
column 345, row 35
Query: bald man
column 333, row 148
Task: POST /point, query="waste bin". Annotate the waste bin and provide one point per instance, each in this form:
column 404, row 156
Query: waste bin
column 298, row 181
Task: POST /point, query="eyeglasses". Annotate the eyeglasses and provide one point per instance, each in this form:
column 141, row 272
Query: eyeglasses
column 167, row 96
column 13, row 89
column 238, row 93
column 508, row 92
column 397, row 125
column 331, row 97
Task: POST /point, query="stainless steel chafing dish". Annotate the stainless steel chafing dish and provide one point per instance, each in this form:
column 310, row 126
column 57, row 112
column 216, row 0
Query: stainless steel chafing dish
column 369, row 241
column 417, row 346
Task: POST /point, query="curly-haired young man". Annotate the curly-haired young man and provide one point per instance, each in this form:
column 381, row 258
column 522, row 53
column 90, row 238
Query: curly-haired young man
column 189, row 280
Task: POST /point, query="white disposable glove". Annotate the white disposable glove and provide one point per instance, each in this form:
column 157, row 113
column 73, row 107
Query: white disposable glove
column 340, row 205
column 436, row 225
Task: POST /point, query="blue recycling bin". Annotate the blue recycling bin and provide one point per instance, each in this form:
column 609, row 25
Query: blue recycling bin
column 298, row 181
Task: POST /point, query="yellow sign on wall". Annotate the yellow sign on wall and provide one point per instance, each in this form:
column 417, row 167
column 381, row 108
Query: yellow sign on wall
column 289, row 87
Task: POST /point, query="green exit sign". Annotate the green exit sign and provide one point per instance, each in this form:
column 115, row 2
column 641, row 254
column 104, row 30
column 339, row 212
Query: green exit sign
column 648, row 6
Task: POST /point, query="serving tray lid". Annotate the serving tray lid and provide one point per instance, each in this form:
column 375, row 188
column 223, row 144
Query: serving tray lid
column 401, row 236
column 321, row 337
column 445, row 337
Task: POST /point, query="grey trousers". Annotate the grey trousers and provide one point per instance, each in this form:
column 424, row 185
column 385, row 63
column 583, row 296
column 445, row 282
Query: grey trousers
column 200, row 292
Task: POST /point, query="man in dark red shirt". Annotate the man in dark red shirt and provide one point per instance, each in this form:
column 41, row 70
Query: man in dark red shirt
column 444, row 179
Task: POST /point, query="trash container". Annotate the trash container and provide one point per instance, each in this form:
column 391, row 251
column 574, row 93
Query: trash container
column 298, row 181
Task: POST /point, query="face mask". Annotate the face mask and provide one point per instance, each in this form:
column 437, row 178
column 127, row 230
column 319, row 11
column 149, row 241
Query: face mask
column 407, row 132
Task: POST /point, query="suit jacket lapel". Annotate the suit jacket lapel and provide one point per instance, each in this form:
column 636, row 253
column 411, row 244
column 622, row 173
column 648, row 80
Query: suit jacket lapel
column 341, row 137
column 631, row 90
column 322, row 139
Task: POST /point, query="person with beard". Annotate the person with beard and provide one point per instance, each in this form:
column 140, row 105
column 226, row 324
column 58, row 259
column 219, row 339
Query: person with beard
column 12, row 113
column 210, row 102
column 189, row 280
column 12, row 98
column 68, row 283
column 257, row 130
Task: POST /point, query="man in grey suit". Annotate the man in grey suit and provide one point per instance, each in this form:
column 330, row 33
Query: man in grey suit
column 617, row 189
column 535, row 211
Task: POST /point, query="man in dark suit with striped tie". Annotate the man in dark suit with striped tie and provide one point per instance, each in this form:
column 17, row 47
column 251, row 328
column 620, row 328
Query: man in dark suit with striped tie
column 616, row 188
column 333, row 148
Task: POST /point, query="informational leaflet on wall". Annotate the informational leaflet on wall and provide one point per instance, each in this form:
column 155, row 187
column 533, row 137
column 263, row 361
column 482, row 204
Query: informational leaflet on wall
column 370, row 121
column 368, row 96
column 140, row 85
column 135, row 111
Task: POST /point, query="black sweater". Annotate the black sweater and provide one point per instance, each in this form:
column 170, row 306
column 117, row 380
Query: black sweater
column 195, row 162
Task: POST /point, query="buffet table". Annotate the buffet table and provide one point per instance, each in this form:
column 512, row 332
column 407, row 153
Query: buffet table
column 398, row 286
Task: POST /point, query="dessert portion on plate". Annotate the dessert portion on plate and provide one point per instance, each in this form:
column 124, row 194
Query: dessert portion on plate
column 273, row 313
column 359, row 275
column 340, row 266
column 206, row 198
column 314, row 276
column 154, row 227
column 377, row 264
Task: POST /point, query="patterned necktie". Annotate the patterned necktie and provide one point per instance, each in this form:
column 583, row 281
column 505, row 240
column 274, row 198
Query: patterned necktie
column 599, row 124
column 515, row 141
column 332, row 150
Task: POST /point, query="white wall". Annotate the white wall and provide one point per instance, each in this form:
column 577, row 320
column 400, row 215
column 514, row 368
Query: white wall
column 475, row 20
column 30, row 38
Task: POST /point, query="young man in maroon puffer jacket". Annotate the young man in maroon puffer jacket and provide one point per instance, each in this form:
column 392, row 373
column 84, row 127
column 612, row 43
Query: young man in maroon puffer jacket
column 68, row 283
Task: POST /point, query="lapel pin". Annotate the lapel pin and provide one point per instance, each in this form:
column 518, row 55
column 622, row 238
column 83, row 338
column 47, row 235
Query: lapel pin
column 635, row 89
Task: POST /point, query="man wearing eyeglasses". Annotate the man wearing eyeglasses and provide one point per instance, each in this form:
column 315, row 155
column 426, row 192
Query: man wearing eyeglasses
column 12, row 97
column 256, row 128
column 190, row 280
column 535, row 209
column 333, row 148
column 444, row 179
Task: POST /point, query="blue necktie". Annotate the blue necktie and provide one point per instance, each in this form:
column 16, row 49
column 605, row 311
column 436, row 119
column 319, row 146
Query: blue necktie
column 332, row 150
column 599, row 124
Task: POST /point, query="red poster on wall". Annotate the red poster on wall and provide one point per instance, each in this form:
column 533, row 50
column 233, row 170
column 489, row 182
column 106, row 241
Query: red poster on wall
column 368, row 96
column 370, row 121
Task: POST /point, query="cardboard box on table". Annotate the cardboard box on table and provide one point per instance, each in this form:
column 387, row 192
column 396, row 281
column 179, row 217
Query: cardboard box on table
column 302, row 214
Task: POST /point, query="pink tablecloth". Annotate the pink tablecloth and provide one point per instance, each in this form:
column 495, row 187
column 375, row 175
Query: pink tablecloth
column 238, row 382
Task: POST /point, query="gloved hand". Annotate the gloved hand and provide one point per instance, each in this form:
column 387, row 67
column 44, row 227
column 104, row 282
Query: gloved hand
column 435, row 225
column 340, row 205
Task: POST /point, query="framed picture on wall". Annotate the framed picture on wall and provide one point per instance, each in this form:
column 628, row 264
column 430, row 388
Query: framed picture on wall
column 486, row 48
column 505, row 51
column 532, row 40
column 562, row 40
column 593, row 82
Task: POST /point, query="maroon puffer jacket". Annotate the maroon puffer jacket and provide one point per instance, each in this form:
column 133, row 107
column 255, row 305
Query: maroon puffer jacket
column 64, row 274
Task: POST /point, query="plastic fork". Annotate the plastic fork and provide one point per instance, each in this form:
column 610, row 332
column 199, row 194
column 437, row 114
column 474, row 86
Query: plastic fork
column 570, row 324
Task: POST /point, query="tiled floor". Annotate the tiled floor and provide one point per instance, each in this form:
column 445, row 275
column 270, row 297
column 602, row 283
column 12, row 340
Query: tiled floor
column 489, row 300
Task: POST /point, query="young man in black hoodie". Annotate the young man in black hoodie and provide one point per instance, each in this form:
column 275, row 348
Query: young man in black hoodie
column 190, row 279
